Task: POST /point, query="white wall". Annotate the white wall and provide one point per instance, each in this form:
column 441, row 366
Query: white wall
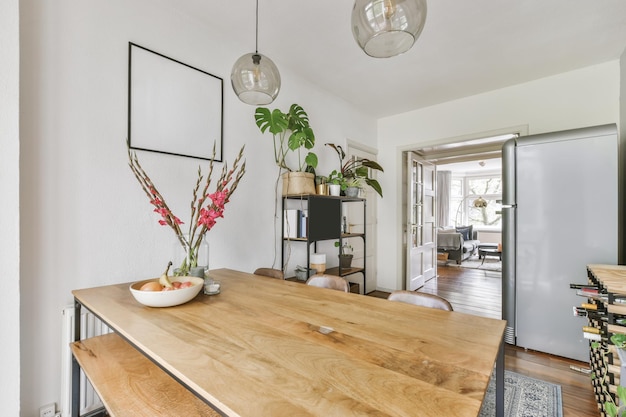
column 86, row 220
column 10, row 219
column 586, row 97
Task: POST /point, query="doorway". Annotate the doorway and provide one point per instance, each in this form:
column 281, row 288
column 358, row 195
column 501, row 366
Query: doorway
column 480, row 147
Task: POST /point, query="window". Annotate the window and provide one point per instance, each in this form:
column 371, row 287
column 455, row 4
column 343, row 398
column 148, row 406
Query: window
column 466, row 210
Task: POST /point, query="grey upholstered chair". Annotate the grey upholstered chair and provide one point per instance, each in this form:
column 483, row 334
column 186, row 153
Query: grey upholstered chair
column 329, row 281
column 420, row 299
column 270, row 272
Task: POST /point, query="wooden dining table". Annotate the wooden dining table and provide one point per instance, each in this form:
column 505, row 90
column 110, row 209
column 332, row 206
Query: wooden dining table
column 270, row 347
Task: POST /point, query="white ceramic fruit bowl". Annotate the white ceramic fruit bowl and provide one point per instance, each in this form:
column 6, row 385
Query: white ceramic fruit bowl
column 167, row 298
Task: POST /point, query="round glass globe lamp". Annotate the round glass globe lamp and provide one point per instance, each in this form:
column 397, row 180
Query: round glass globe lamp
column 386, row 28
column 255, row 79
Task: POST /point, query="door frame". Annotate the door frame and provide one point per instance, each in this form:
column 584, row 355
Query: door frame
column 371, row 228
column 460, row 146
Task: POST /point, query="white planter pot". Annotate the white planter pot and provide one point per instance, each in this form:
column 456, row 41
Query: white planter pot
column 335, row 189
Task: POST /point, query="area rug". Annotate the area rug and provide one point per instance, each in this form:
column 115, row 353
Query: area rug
column 524, row 397
column 490, row 264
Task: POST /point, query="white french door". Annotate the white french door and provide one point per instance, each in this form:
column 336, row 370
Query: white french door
column 420, row 222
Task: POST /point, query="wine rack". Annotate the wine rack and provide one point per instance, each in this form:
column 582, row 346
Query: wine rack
column 605, row 309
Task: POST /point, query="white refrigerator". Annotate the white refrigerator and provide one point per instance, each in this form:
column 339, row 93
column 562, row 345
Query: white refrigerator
column 559, row 213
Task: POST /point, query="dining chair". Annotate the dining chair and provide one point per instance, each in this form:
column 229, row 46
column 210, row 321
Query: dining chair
column 270, row 272
column 420, row 299
column 329, row 281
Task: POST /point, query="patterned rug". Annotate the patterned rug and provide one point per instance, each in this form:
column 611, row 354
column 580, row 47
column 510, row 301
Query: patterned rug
column 524, row 397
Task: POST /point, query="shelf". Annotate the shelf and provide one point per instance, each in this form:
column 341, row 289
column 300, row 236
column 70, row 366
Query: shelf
column 344, row 271
column 610, row 281
column 331, row 197
column 354, row 287
column 347, row 235
column 129, row 383
column 326, row 221
column 343, row 236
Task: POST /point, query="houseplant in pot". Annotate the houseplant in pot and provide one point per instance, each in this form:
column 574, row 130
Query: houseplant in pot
column 358, row 169
column 345, row 254
column 336, row 183
column 291, row 132
column 610, row 407
column 353, row 186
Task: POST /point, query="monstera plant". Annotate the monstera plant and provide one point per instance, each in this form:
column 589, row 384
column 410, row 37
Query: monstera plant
column 291, row 132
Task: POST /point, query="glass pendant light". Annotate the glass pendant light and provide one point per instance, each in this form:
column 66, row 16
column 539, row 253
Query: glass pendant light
column 385, row 28
column 254, row 76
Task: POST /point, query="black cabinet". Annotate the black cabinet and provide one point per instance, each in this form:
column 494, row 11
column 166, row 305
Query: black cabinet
column 318, row 218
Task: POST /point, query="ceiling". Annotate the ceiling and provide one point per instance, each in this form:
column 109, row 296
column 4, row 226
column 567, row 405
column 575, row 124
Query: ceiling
column 478, row 167
column 467, row 47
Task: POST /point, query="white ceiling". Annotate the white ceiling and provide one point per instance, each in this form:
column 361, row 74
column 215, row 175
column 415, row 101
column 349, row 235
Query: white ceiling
column 467, row 47
column 489, row 166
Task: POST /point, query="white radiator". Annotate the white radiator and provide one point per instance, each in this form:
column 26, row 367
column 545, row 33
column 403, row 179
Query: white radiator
column 90, row 326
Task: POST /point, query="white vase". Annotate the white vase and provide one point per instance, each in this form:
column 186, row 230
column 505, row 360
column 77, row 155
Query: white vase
column 334, row 189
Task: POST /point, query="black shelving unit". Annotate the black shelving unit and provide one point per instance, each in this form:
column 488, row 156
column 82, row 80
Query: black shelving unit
column 325, row 214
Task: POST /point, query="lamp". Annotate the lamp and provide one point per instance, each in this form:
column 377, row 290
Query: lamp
column 254, row 76
column 478, row 203
column 385, row 28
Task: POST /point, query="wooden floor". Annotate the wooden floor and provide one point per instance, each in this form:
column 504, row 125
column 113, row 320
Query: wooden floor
column 479, row 293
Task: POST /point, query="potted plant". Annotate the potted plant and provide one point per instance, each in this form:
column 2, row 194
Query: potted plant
column 345, row 254
column 291, row 132
column 612, row 410
column 358, row 169
column 353, row 186
column 336, row 183
column 610, row 407
column 321, row 184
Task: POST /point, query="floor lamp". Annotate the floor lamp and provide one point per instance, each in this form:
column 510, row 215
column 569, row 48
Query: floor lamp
column 478, row 203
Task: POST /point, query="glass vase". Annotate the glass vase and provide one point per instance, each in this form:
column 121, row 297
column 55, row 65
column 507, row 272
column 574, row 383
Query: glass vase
column 188, row 259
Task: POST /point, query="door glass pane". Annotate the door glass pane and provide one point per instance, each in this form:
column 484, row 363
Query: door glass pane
column 416, row 205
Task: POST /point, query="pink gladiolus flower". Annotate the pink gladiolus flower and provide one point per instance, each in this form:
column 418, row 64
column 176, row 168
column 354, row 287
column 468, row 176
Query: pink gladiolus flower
column 206, row 208
column 219, row 197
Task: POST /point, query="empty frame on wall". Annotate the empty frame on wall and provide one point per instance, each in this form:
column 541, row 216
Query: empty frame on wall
column 173, row 108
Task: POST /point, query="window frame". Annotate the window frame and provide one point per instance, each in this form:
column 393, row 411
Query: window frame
column 461, row 213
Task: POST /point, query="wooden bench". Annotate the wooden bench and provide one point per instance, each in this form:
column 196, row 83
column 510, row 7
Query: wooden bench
column 129, row 384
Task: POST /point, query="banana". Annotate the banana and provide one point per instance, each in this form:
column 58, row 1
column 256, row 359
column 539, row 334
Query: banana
column 164, row 279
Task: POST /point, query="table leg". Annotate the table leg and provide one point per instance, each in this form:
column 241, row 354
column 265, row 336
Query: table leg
column 75, row 365
column 500, row 381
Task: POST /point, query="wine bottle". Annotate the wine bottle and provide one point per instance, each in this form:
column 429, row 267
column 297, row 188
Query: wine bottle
column 581, row 286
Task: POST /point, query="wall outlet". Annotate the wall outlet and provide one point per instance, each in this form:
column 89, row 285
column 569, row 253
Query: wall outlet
column 47, row 410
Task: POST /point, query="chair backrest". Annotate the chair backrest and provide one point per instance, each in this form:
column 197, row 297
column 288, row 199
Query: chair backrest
column 329, row 281
column 420, row 299
column 270, row 272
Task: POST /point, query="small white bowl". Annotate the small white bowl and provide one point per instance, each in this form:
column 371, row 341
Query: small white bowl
column 167, row 298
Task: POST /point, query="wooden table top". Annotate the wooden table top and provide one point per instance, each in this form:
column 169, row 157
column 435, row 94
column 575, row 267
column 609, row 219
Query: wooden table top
column 268, row 347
